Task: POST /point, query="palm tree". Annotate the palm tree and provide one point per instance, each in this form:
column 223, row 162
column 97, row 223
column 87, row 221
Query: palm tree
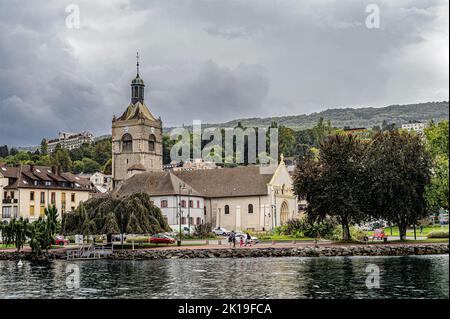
column 51, row 225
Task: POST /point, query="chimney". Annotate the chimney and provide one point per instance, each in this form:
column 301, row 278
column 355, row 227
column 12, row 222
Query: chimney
column 59, row 170
column 54, row 170
column 32, row 167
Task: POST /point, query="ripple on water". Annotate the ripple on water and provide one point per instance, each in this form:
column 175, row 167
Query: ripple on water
column 294, row 277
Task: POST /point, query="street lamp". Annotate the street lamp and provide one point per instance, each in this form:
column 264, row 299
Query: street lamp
column 189, row 210
column 180, row 212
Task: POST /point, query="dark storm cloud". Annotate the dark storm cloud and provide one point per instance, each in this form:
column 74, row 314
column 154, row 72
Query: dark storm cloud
column 212, row 60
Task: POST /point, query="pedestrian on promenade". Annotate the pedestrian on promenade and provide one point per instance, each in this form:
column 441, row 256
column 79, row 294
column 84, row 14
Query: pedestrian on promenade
column 233, row 238
column 248, row 240
column 230, row 238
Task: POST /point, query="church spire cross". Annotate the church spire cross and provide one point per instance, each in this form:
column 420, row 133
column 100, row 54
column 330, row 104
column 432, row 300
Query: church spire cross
column 137, row 63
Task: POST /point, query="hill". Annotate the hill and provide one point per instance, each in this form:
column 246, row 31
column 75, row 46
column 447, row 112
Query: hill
column 353, row 117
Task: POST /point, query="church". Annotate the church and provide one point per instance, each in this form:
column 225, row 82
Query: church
column 243, row 198
column 136, row 137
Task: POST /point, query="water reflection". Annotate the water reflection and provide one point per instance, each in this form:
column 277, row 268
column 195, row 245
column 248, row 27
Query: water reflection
column 327, row 277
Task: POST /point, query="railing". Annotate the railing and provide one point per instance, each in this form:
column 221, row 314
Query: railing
column 89, row 252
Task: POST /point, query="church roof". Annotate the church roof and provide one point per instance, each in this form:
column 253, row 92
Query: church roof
column 137, row 81
column 137, row 111
column 215, row 183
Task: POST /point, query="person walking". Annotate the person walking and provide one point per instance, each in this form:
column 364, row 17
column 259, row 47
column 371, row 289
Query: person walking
column 233, row 238
column 248, row 240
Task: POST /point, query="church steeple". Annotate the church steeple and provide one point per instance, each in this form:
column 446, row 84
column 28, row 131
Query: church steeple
column 137, row 85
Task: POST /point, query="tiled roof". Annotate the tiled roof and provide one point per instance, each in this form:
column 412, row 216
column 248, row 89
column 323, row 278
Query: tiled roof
column 137, row 111
column 227, row 182
column 24, row 176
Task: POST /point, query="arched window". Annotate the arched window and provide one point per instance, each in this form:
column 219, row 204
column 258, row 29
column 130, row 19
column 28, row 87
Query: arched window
column 151, row 143
column 127, row 143
column 250, row 208
column 227, row 209
column 183, row 203
column 199, row 221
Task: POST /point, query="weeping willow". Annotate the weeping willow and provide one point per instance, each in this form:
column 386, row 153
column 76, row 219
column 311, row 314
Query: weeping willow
column 133, row 214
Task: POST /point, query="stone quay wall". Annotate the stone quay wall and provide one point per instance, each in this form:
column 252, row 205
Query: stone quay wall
column 320, row 251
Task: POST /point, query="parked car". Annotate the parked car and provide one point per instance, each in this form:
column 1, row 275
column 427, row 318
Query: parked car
column 220, row 231
column 379, row 234
column 240, row 235
column 185, row 229
column 61, row 241
column 161, row 239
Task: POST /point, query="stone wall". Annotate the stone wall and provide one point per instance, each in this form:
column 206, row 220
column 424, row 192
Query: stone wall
column 355, row 250
column 360, row 250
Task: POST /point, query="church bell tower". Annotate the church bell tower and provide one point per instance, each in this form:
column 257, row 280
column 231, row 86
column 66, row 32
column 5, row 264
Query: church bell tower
column 136, row 137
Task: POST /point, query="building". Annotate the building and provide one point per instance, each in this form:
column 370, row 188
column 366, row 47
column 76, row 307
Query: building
column 26, row 190
column 101, row 183
column 70, row 141
column 136, row 136
column 414, row 126
column 195, row 164
column 243, row 198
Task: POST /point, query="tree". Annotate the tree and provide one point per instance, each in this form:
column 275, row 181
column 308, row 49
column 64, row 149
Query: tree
column 331, row 183
column 397, row 173
column 4, row 151
column 44, row 147
column 51, row 225
column 90, row 166
column 437, row 137
column 61, row 158
column 15, row 232
column 107, row 168
column 133, row 214
column 437, row 192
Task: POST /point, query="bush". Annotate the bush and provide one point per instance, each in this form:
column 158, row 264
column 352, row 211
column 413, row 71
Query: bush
column 203, row 231
column 438, row 234
column 305, row 228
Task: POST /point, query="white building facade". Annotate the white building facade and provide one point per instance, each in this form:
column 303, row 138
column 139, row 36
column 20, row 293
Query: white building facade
column 70, row 141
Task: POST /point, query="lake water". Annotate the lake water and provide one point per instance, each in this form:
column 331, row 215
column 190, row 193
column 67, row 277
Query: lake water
column 290, row 277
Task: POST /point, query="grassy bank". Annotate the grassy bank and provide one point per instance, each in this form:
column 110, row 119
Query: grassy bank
column 410, row 232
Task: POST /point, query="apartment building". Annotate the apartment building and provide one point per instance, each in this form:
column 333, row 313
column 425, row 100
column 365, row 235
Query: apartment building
column 26, row 190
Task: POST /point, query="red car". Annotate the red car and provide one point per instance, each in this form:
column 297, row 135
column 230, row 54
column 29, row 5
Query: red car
column 379, row 234
column 61, row 241
column 161, row 239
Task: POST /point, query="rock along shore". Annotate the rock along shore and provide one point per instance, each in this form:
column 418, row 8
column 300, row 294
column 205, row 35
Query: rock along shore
column 186, row 253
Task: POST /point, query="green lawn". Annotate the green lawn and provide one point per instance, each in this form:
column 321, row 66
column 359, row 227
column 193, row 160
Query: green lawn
column 410, row 232
column 2, row 246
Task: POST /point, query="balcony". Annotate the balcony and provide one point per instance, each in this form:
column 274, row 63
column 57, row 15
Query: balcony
column 10, row 201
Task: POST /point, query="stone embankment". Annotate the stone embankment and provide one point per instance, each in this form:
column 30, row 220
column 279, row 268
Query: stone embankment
column 309, row 251
column 356, row 250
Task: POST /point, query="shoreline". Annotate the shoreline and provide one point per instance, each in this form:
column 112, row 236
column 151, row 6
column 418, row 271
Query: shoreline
column 332, row 250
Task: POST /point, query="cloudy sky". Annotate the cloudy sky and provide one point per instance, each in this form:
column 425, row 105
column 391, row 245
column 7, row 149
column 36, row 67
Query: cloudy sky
column 212, row 60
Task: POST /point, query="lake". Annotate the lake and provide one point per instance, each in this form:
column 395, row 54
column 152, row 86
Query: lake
column 290, row 277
